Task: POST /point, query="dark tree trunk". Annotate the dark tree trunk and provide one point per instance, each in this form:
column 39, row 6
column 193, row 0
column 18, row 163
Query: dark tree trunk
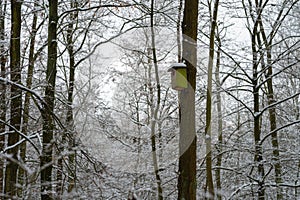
column 16, row 100
column 187, row 138
column 273, row 127
column 257, row 131
column 2, row 89
column 70, row 119
column 272, row 111
column 47, row 115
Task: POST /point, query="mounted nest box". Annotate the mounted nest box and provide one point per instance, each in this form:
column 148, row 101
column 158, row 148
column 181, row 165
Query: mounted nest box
column 178, row 76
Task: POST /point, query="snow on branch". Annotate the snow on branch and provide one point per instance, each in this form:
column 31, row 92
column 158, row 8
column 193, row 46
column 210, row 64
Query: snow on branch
column 25, row 137
column 278, row 129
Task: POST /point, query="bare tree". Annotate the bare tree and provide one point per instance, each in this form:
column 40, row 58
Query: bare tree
column 155, row 109
column 16, row 101
column 70, row 119
column 187, row 138
column 2, row 89
column 208, row 135
column 220, row 119
column 47, row 115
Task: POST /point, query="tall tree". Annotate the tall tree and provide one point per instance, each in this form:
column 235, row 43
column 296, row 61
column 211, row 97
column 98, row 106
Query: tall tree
column 187, row 138
column 16, row 100
column 155, row 107
column 47, row 115
column 209, row 177
column 220, row 119
column 2, row 89
column 70, row 119
column 267, row 45
column 258, row 155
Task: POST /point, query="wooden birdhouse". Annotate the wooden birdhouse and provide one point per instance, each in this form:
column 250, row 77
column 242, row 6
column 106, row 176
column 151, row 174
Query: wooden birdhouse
column 179, row 76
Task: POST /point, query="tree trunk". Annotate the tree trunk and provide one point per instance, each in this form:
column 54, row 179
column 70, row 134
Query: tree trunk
column 257, row 131
column 47, row 115
column 21, row 174
column 154, row 112
column 209, row 176
column 272, row 112
column 16, row 100
column 273, row 124
column 70, row 120
column 2, row 90
column 220, row 122
column 187, row 138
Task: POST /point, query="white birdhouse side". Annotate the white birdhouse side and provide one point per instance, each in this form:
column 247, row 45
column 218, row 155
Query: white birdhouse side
column 179, row 76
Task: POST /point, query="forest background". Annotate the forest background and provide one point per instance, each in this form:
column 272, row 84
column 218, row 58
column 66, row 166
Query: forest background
column 88, row 112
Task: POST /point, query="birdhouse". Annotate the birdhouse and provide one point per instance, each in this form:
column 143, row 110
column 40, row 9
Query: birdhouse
column 178, row 76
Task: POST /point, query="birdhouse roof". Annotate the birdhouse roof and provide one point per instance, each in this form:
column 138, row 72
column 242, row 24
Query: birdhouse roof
column 178, row 65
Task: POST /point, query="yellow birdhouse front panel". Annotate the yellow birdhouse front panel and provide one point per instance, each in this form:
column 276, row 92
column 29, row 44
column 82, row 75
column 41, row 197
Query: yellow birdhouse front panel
column 179, row 76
